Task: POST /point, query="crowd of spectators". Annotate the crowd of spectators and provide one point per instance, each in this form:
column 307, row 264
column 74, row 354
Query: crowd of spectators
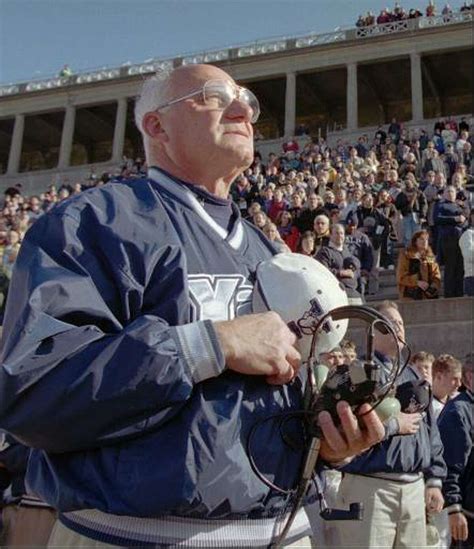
column 387, row 189
column 399, row 13
column 450, row 381
column 397, row 190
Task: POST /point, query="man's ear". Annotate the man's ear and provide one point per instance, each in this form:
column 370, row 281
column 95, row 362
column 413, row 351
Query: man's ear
column 151, row 124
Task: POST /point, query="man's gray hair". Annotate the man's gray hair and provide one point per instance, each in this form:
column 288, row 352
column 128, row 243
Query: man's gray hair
column 387, row 304
column 322, row 216
column 338, row 226
column 154, row 93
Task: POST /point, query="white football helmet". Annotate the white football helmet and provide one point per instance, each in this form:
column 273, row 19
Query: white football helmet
column 301, row 290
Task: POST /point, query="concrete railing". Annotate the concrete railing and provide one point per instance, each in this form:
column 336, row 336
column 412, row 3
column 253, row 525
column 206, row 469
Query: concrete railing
column 427, row 124
column 438, row 326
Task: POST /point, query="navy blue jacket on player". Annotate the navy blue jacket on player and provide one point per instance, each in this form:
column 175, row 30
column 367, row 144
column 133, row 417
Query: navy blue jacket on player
column 112, row 371
column 421, row 453
column 456, row 426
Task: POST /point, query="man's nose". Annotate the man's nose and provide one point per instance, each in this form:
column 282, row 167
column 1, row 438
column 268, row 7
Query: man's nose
column 239, row 109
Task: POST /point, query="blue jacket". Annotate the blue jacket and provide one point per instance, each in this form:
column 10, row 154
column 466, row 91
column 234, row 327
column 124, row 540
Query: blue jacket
column 405, row 454
column 445, row 214
column 456, row 426
column 111, row 367
column 377, row 228
column 359, row 244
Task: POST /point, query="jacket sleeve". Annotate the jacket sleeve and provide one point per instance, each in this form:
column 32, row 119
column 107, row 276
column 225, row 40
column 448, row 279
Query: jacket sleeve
column 444, row 218
column 78, row 369
column 367, row 256
column 404, row 279
column 350, row 216
column 13, row 455
column 455, row 434
column 324, row 256
column 466, row 244
column 423, row 203
column 436, row 472
column 435, row 275
column 356, row 263
column 400, row 201
column 430, row 193
column 385, row 222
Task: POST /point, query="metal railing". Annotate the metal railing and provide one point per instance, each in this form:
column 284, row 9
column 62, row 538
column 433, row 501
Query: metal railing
column 386, row 28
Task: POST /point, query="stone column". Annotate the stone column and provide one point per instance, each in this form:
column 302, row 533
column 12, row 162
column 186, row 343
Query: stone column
column 119, row 132
column 290, row 104
column 67, row 137
column 16, row 145
column 416, row 88
column 352, row 99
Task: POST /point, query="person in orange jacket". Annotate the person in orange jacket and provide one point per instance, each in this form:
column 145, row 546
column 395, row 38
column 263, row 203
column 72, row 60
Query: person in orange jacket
column 418, row 273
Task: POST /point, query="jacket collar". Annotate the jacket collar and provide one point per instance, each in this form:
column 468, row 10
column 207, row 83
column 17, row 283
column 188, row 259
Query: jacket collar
column 183, row 194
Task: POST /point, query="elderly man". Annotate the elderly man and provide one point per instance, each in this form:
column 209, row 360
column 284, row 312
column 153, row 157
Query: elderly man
column 130, row 360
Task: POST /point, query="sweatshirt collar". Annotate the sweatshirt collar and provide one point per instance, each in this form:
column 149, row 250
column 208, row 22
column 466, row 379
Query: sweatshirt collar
column 180, row 190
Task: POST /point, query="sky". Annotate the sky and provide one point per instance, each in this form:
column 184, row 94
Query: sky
column 37, row 37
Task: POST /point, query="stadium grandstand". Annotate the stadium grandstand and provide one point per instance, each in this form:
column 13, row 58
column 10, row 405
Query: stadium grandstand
column 336, row 85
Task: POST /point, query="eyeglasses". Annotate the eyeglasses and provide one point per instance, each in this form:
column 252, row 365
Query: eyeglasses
column 220, row 94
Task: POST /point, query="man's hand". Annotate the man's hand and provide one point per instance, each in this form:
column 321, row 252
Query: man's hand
column 351, row 439
column 458, row 526
column 260, row 344
column 346, row 273
column 434, row 500
column 409, row 424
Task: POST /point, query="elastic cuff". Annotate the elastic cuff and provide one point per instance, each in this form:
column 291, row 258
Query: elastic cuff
column 392, row 427
column 455, row 508
column 199, row 345
column 338, row 464
column 434, row 483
